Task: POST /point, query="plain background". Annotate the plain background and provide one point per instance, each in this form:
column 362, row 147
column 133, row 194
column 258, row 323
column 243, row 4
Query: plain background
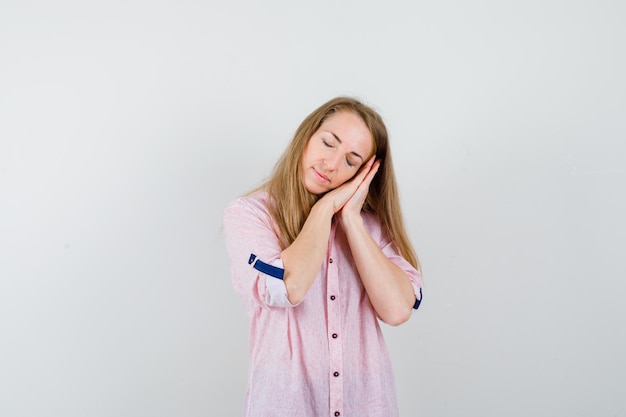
column 126, row 127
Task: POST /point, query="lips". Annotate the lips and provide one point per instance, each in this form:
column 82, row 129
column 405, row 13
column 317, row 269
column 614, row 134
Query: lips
column 321, row 176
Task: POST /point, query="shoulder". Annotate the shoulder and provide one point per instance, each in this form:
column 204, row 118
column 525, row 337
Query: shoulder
column 252, row 205
column 257, row 201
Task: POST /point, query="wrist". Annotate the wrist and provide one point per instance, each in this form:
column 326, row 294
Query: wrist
column 351, row 219
column 324, row 207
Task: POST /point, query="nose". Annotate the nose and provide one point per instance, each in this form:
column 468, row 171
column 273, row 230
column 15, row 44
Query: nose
column 332, row 162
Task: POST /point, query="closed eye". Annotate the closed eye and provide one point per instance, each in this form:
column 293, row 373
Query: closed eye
column 328, row 145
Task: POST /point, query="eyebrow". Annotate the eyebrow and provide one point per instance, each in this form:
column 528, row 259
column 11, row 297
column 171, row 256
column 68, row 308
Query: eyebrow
column 353, row 153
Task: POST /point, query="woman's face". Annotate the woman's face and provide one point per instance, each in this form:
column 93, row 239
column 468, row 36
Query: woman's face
column 335, row 152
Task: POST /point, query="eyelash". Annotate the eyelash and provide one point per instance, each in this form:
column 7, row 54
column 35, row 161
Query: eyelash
column 328, row 145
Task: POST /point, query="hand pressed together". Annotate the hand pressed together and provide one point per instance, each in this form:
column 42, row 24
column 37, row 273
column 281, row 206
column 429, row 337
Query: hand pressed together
column 349, row 197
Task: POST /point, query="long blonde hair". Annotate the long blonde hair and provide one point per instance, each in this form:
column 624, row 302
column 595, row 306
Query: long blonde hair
column 292, row 202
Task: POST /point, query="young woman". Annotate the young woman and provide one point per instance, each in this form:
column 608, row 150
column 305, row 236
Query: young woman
column 319, row 255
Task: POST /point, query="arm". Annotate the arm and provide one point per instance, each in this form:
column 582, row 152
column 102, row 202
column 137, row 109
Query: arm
column 303, row 258
column 249, row 229
column 388, row 287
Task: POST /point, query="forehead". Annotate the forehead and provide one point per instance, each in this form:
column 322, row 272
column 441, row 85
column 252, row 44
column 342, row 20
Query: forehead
column 351, row 130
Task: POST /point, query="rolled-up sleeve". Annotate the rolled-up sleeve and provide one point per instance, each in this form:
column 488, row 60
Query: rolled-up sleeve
column 390, row 250
column 249, row 229
column 414, row 275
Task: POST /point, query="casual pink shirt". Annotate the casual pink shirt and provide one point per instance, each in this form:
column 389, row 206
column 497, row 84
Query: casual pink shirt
column 325, row 356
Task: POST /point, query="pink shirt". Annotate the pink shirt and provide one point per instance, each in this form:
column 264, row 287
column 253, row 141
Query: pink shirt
column 325, row 356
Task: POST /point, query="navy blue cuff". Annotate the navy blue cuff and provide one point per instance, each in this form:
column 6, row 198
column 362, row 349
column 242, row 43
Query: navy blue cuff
column 267, row 269
column 418, row 301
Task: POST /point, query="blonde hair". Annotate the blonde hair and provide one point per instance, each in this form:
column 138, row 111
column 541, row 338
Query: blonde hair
column 292, row 202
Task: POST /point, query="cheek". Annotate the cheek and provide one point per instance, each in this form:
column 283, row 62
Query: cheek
column 345, row 177
column 311, row 153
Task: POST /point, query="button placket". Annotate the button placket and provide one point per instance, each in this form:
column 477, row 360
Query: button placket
column 334, row 324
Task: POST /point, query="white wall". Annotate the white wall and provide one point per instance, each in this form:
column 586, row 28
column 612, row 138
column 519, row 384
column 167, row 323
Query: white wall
column 126, row 126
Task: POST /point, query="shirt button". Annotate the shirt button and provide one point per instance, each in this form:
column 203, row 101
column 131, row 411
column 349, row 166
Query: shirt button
column 337, row 413
column 334, row 335
column 332, row 297
column 331, row 260
column 336, row 374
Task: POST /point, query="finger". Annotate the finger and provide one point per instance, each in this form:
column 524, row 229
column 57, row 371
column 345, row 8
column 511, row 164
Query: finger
column 370, row 162
column 365, row 170
column 371, row 174
column 363, row 189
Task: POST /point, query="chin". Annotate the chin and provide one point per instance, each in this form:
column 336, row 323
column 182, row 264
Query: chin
column 314, row 188
column 317, row 191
